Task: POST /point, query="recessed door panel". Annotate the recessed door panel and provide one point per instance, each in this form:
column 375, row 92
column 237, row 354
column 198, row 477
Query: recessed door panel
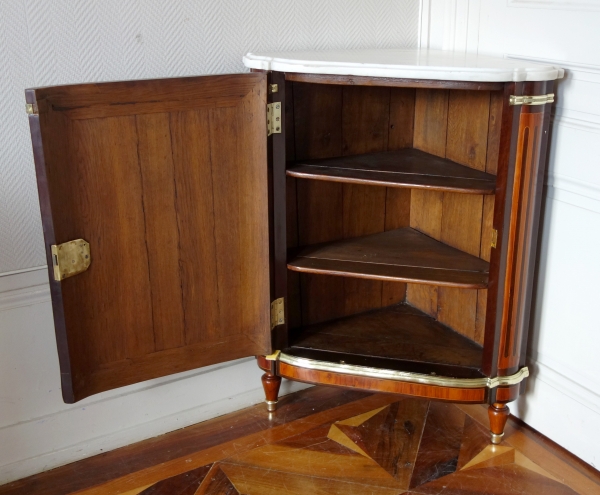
column 167, row 182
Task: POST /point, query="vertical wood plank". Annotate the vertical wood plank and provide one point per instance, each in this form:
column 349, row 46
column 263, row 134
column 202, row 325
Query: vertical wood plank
column 320, row 219
column 55, row 129
column 322, row 298
column 481, row 314
column 162, row 236
column 363, row 210
column 320, row 206
column 491, row 167
column 468, row 125
column 318, row 134
column 402, row 118
column 225, row 179
column 317, row 120
column 364, row 213
column 425, row 216
column 468, row 118
column 461, row 221
column 397, row 215
column 365, row 124
column 365, row 119
column 431, row 121
column 457, row 308
column 196, row 223
column 494, row 127
column 290, row 134
column 397, row 208
column 294, row 304
column 484, row 253
column 461, row 228
column 293, row 278
column 104, row 158
column 424, row 297
column 430, row 130
column 486, row 228
column 426, row 212
column 246, row 168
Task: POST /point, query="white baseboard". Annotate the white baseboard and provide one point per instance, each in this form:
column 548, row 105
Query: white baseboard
column 24, row 288
column 559, row 408
column 38, row 432
column 93, row 429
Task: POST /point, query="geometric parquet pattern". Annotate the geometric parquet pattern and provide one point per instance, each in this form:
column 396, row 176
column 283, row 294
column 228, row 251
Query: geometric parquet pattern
column 327, row 442
column 409, row 446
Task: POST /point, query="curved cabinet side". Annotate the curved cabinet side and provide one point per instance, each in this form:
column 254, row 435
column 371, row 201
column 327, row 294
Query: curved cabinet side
column 517, row 223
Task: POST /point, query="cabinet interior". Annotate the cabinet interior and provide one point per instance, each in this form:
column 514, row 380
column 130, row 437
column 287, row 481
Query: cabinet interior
column 413, row 293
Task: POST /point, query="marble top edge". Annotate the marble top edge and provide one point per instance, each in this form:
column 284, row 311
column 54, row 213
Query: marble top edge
column 406, row 63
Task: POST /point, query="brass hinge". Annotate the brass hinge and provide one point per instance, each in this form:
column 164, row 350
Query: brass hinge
column 30, row 109
column 273, row 88
column 273, row 118
column 70, row 258
column 277, row 313
column 494, row 237
column 531, row 100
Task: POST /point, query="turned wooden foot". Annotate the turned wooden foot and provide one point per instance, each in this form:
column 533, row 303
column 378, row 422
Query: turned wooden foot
column 271, row 384
column 498, row 414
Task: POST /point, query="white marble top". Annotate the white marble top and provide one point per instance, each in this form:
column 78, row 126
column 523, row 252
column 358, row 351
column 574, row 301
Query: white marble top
column 405, row 63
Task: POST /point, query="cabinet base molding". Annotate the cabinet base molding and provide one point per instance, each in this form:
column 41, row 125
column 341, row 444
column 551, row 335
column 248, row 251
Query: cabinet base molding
column 402, row 376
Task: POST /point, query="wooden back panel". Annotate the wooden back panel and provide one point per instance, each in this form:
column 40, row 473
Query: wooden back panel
column 463, row 126
column 167, row 181
column 331, row 121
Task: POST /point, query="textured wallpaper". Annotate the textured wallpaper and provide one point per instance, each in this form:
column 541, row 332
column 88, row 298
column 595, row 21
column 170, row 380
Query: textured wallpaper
column 47, row 42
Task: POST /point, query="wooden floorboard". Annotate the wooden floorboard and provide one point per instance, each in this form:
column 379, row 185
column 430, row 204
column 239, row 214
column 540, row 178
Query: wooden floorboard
column 330, row 441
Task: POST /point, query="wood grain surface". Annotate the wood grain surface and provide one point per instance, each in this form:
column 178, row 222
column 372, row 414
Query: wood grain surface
column 408, row 168
column 403, row 333
column 328, row 441
column 167, row 181
column 401, row 254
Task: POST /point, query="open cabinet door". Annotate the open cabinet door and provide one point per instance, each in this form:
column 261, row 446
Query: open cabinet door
column 167, row 182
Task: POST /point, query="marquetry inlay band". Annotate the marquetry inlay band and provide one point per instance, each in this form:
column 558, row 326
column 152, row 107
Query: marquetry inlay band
column 405, row 376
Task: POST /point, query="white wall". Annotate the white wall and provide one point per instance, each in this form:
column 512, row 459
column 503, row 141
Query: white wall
column 44, row 42
column 563, row 400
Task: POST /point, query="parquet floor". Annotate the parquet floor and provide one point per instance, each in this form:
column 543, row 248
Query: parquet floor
column 329, row 441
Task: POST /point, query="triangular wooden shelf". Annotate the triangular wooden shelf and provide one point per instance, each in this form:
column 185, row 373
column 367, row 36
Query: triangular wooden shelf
column 402, row 168
column 403, row 255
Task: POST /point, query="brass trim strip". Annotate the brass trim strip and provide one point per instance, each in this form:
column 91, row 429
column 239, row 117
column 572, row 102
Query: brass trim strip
column 273, row 357
column 405, row 376
column 531, row 100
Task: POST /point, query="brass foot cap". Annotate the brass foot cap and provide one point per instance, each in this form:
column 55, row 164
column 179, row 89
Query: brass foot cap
column 496, row 439
column 271, row 405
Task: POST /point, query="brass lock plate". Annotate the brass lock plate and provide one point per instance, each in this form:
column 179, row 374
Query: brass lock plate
column 70, row 258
